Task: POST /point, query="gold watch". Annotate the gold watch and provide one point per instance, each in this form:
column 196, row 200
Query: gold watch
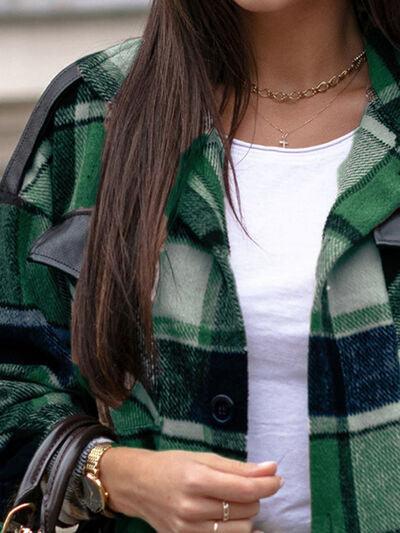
column 96, row 496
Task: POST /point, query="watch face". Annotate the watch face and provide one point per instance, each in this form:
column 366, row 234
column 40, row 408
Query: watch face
column 93, row 493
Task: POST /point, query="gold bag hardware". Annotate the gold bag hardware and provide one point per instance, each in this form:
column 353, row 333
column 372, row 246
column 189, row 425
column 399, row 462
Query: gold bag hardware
column 11, row 527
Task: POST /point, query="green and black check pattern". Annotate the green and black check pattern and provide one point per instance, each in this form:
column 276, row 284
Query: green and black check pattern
column 200, row 402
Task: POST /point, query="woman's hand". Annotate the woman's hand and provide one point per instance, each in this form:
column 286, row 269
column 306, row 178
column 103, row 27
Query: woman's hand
column 179, row 491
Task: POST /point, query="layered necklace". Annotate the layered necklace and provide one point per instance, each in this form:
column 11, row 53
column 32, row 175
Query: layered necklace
column 321, row 87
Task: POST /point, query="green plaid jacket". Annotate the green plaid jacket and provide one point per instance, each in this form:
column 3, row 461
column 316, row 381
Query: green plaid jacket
column 200, row 402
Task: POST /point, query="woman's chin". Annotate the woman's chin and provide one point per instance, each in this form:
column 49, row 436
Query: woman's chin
column 265, row 6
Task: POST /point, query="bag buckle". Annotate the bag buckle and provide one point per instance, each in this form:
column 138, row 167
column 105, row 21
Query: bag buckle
column 17, row 528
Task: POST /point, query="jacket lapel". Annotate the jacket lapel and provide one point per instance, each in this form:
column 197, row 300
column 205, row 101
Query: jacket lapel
column 201, row 205
column 368, row 181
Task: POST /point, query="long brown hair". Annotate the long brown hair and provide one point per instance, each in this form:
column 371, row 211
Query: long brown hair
column 189, row 48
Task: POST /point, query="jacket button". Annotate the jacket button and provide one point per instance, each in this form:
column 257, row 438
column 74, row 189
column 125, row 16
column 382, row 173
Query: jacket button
column 222, row 408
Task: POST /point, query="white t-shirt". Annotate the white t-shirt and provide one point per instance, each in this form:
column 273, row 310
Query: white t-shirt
column 286, row 195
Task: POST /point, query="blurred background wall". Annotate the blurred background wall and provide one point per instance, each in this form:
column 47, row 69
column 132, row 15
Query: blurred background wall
column 38, row 38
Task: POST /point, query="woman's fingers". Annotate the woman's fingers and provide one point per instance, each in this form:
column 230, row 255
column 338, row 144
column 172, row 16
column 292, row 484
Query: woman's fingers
column 203, row 509
column 231, row 526
column 233, row 466
column 235, row 488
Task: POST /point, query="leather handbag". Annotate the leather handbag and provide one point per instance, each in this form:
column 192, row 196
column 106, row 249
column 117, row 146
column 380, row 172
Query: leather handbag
column 37, row 509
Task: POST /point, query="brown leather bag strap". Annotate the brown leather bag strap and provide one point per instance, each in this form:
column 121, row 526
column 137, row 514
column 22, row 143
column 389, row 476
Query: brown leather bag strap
column 30, row 485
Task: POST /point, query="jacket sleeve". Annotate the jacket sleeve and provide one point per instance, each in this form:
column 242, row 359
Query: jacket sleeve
column 39, row 384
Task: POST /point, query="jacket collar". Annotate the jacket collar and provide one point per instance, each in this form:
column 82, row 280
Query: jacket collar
column 368, row 181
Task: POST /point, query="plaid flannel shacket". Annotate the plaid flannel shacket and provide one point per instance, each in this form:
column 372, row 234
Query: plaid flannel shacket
column 200, row 401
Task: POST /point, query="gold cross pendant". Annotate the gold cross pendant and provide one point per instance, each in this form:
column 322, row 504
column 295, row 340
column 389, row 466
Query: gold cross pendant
column 283, row 142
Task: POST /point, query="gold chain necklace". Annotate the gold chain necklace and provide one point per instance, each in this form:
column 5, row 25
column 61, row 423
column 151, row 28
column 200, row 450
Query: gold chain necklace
column 322, row 87
column 285, row 133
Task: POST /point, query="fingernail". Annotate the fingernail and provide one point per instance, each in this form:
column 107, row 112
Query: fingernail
column 267, row 464
column 281, row 482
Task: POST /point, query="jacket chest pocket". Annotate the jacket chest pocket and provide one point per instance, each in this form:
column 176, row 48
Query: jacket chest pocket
column 62, row 246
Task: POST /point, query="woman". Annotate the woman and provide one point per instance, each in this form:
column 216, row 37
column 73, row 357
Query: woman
column 190, row 335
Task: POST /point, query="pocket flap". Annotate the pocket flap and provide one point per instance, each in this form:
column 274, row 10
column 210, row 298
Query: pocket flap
column 388, row 233
column 62, row 246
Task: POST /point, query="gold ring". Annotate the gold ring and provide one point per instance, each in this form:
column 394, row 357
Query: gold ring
column 226, row 510
column 216, row 526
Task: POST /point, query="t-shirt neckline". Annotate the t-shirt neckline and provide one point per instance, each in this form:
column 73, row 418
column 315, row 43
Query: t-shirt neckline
column 316, row 147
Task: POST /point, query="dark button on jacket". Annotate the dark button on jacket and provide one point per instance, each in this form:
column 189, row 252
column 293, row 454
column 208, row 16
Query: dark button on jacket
column 222, row 408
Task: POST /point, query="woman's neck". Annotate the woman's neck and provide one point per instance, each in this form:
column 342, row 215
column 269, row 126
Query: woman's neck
column 303, row 43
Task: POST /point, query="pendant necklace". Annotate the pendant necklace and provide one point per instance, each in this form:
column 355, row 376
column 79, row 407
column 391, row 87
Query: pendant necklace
column 283, row 142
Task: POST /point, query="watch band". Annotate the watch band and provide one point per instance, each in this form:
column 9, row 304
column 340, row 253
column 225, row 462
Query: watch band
column 92, row 471
column 93, row 459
